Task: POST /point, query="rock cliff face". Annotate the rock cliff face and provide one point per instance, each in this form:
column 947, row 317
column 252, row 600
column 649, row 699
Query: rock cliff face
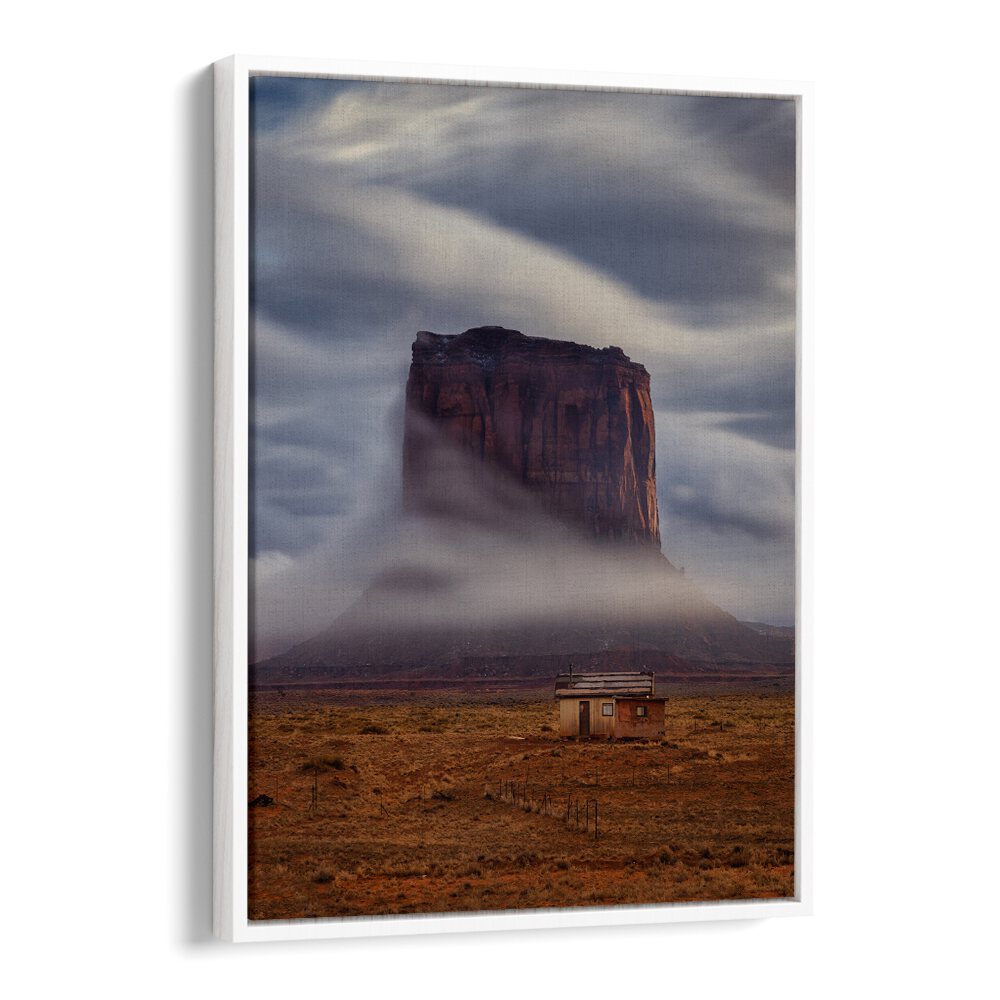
column 572, row 423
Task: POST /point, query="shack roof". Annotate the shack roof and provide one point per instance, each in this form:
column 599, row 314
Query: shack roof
column 638, row 684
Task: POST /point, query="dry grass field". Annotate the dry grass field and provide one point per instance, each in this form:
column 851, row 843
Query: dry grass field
column 383, row 802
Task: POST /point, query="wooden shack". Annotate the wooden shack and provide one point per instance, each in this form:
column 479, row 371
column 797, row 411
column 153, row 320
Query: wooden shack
column 610, row 706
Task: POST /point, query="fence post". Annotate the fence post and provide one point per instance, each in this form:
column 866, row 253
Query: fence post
column 314, row 796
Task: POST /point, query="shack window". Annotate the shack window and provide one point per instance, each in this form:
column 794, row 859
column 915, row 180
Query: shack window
column 641, row 711
column 608, row 708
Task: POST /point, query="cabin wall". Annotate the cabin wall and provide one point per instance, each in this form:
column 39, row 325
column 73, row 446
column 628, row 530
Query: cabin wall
column 569, row 717
column 628, row 725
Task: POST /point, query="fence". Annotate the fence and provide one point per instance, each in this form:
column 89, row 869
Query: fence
column 571, row 799
column 581, row 814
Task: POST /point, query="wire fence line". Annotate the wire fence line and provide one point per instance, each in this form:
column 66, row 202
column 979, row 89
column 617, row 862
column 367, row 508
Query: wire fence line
column 577, row 813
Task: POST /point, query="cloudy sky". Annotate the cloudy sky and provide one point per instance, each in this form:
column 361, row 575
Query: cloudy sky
column 662, row 224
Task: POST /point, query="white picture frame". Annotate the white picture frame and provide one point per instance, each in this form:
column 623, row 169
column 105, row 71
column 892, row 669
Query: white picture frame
column 231, row 923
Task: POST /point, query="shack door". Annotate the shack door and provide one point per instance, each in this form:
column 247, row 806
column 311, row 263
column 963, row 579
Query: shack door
column 584, row 718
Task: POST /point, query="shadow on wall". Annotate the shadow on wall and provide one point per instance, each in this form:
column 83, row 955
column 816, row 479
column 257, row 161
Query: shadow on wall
column 194, row 811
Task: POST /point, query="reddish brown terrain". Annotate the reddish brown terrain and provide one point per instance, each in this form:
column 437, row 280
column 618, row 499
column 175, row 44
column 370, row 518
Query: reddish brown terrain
column 393, row 802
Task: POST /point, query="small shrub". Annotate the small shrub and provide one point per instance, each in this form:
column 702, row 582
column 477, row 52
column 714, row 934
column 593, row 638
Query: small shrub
column 374, row 730
column 740, row 859
column 314, row 764
column 323, row 878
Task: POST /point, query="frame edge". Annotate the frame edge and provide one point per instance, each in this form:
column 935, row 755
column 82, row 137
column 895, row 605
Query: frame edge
column 230, row 918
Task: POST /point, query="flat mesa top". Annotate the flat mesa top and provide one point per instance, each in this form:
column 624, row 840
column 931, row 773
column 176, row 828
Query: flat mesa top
column 496, row 341
column 621, row 685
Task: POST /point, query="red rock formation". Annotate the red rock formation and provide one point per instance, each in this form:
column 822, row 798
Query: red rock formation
column 570, row 427
column 572, row 423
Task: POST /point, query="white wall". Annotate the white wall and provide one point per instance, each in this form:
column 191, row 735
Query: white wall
column 106, row 389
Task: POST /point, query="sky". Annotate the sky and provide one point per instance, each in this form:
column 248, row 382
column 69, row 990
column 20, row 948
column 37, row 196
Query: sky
column 663, row 224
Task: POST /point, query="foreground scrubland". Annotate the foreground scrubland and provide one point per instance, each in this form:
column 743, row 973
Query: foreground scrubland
column 386, row 802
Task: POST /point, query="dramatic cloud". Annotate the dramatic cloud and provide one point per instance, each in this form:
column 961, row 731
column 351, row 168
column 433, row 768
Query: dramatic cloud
column 661, row 224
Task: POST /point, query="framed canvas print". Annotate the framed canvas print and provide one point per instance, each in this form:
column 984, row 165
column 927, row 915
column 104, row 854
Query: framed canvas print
column 510, row 435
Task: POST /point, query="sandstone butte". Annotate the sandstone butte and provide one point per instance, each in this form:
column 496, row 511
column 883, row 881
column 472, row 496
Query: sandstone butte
column 571, row 428
column 573, row 423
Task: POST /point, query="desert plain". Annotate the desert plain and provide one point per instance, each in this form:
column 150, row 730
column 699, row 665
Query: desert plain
column 403, row 798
